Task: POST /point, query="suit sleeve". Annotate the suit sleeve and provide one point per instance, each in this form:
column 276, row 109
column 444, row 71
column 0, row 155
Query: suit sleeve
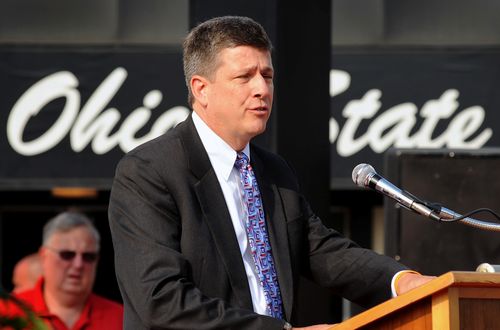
column 153, row 276
column 358, row 274
column 324, row 255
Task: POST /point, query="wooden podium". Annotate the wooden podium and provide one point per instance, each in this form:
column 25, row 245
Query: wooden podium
column 455, row 300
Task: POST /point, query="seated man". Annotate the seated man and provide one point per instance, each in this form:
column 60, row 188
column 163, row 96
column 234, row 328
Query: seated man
column 63, row 296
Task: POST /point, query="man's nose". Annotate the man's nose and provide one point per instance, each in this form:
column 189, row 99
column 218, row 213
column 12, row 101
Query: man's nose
column 262, row 86
column 78, row 260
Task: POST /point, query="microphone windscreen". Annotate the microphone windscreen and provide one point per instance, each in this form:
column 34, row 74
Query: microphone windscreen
column 360, row 174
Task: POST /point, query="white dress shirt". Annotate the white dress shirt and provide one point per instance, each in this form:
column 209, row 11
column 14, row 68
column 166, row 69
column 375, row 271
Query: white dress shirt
column 222, row 157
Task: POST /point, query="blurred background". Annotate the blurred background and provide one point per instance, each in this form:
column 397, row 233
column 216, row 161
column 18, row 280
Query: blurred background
column 408, row 87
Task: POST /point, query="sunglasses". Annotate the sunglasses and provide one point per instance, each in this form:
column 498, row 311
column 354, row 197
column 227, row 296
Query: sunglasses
column 68, row 255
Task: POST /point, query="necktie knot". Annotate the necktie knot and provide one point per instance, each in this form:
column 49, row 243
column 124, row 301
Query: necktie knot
column 242, row 161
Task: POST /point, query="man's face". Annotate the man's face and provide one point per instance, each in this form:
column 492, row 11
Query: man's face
column 239, row 96
column 64, row 275
column 26, row 273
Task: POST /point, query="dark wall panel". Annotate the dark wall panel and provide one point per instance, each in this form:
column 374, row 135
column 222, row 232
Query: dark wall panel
column 460, row 180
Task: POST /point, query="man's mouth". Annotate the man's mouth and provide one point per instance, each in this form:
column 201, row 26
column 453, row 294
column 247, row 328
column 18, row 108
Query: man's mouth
column 260, row 109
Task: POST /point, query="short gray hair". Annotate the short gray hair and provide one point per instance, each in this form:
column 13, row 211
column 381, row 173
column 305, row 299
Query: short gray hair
column 67, row 221
column 205, row 41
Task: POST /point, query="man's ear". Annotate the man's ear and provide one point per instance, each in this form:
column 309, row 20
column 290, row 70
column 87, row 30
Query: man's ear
column 199, row 87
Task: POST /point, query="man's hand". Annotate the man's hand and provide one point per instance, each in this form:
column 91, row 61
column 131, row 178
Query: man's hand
column 410, row 281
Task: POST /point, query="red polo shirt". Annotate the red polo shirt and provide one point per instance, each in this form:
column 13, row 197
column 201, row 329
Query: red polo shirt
column 98, row 314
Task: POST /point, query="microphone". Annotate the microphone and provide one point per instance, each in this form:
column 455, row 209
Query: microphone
column 488, row 268
column 364, row 175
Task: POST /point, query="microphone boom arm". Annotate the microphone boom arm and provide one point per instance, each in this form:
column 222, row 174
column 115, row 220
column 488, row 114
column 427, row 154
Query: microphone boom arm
column 448, row 215
column 365, row 176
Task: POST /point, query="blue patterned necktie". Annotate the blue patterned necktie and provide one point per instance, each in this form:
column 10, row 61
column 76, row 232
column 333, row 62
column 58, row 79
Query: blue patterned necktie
column 258, row 239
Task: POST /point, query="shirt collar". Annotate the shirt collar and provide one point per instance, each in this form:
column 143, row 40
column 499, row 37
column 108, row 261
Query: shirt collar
column 221, row 155
column 37, row 301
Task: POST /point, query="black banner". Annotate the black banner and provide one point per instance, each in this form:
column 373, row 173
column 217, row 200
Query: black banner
column 430, row 100
column 68, row 114
column 71, row 113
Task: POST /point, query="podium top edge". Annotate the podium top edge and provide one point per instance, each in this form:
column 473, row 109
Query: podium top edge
column 473, row 278
column 448, row 280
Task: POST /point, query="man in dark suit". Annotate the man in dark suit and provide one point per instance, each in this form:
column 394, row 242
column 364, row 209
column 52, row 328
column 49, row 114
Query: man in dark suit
column 189, row 251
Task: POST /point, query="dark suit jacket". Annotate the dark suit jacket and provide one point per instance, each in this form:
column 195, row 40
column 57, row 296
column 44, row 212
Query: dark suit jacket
column 177, row 259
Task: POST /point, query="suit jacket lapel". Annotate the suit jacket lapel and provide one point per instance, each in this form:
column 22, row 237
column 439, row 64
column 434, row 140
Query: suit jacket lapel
column 276, row 225
column 215, row 212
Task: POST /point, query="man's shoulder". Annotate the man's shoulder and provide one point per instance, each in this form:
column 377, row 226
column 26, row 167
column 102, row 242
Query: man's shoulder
column 33, row 297
column 105, row 303
column 15, row 304
column 106, row 312
column 267, row 155
column 269, row 158
column 27, row 295
column 165, row 150
column 160, row 143
column 275, row 167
